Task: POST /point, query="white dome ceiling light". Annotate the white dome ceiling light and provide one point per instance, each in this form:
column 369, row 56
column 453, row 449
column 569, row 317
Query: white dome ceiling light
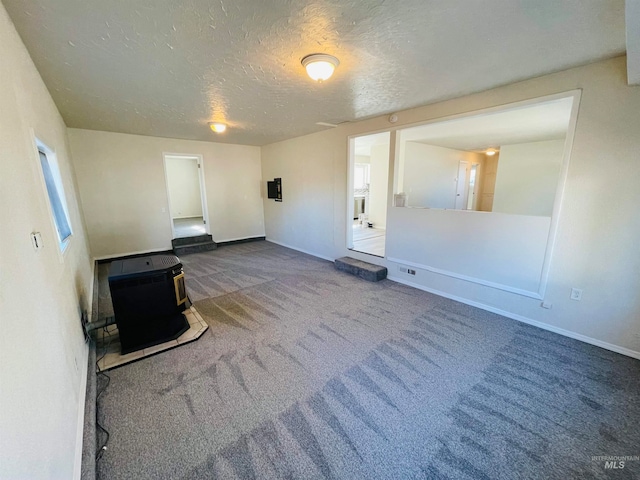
column 320, row 66
column 217, row 127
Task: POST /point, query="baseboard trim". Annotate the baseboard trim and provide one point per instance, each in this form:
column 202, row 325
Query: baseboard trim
column 300, row 250
column 82, row 397
column 124, row 256
column 92, row 290
column 235, row 241
column 520, row 318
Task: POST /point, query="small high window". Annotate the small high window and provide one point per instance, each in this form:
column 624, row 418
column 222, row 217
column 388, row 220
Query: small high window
column 55, row 192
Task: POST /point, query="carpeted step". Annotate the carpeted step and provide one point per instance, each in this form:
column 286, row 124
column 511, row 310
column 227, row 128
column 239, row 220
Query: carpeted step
column 364, row 270
column 194, row 248
column 181, row 241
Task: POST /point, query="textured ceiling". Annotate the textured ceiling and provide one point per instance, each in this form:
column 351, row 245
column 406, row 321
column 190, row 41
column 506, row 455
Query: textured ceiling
column 167, row 67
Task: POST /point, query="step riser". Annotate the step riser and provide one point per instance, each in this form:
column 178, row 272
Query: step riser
column 178, row 242
column 364, row 270
column 201, row 247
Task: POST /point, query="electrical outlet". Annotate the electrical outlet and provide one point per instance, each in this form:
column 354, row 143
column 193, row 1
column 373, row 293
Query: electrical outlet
column 406, row 270
column 576, row 294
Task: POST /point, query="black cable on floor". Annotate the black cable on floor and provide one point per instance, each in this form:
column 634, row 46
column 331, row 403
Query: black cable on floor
column 103, row 448
column 105, row 347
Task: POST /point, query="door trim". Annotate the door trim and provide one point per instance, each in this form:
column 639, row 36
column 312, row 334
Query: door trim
column 203, row 190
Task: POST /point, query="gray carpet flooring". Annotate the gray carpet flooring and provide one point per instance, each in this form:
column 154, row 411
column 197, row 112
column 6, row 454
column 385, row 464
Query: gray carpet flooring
column 307, row 372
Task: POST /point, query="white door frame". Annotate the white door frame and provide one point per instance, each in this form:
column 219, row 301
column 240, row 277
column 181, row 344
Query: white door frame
column 351, row 162
column 203, row 190
column 350, row 191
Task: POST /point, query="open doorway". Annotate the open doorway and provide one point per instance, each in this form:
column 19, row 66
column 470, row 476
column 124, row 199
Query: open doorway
column 467, row 186
column 187, row 203
column 472, row 200
column 367, row 199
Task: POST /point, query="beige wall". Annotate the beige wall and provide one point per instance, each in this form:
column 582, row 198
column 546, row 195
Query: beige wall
column 314, row 192
column 527, row 177
column 488, row 173
column 430, row 173
column 599, row 228
column 122, row 184
column 43, row 357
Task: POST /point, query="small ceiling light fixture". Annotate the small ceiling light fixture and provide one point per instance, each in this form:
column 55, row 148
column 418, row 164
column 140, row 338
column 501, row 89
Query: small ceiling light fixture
column 217, row 127
column 320, row 66
column 490, row 152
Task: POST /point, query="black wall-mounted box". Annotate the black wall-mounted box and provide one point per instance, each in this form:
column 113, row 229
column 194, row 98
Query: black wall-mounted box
column 274, row 189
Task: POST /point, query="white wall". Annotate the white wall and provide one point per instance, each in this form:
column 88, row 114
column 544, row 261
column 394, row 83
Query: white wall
column 505, row 250
column 527, row 177
column 124, row 195
column 508, row 252
column 379, row 183
column 598, row 232
column 43, row 358
column 430, row 174
column 184, row 187
column 314, row 192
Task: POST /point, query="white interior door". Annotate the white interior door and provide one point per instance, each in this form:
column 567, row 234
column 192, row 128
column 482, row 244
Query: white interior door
column 462, row 189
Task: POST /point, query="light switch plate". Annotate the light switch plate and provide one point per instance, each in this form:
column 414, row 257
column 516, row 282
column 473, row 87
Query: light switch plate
column 36, row 240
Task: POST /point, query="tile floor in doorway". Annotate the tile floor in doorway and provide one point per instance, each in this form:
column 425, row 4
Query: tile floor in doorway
column 368, row 240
